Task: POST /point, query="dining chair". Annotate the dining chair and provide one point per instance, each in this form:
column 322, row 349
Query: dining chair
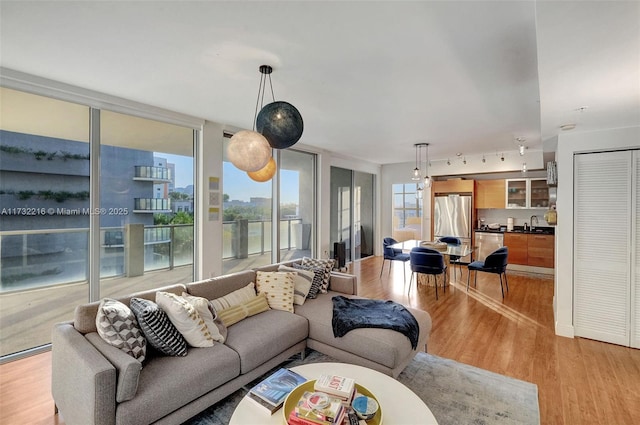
column 496, row 263
column 453, row 259
column 430, row 262
column 392, row 254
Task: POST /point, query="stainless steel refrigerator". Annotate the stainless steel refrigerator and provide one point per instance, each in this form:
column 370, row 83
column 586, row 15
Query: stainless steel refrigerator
column 452, row 216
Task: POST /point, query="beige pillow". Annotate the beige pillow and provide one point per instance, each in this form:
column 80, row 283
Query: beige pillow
column 185, row 318
column 206, row 311
column 237, row 297
column 301, row 283
column 278, row 286
column 234, row 314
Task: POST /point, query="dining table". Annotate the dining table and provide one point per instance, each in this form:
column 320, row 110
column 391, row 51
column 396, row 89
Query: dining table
column 460, row 251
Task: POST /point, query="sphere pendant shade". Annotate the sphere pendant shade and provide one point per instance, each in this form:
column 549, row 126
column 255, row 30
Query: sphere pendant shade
column 248, row 151
column 280, row 123
column 265, row 173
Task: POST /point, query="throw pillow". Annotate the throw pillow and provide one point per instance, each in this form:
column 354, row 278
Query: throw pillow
column 278, row 286
column 117, row 325
column 217, row 330
column 302, row 281
column 232, row 315
column 321, row 262
column 239, row 296
column 318, row 276
column 185, row 318
column 161, row 334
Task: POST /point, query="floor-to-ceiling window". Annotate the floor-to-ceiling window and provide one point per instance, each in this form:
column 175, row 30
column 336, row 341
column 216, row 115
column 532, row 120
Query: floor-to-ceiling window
column 255, row 235
column 62, row 244
column 146, row 203
column 297, row 203
column 44, row 225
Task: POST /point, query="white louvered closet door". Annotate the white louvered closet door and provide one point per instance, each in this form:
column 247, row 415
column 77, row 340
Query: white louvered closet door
column 602, row 246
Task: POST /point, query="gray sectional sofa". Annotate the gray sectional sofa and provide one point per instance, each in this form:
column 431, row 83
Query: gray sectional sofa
column 96, row 383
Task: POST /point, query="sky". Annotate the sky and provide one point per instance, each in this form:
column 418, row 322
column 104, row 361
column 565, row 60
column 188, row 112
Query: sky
column 236, row 183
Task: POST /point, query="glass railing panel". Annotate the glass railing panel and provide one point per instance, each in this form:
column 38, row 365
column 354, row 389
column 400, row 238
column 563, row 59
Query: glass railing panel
column 182, row 245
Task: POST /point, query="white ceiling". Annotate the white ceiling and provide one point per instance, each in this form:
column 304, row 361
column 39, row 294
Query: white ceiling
column 369, row 78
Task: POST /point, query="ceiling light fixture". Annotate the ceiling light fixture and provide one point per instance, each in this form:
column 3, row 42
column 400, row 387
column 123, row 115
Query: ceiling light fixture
column 464, row 160
column 417, row 175
column 448, row 162
column 483, row 159
column 524, row 167
column 416, row 171
column 279, row 125
column 502, row 158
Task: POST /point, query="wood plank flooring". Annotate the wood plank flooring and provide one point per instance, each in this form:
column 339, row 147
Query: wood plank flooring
column 579, row 381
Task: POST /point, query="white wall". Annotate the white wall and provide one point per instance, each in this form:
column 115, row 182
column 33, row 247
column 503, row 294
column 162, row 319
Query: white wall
column 568, row 145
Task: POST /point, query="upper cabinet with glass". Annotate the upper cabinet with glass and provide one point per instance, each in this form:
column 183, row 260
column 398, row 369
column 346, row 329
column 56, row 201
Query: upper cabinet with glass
column 527, row 193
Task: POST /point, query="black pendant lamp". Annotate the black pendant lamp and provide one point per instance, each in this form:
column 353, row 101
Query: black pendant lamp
column 279, row 122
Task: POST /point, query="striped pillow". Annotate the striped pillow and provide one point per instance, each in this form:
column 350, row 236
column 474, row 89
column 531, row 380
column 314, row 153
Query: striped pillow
column 321, row 262
column 236, row 297
column 316, row 284
column 232, row 315
column 302, row 282
column 161, row 334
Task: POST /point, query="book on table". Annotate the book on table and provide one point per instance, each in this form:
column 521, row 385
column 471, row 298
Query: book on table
column 271, row 391
column 335, row 385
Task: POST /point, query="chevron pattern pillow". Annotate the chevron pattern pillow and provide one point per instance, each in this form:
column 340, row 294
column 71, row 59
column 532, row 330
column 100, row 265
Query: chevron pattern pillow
column 321, row 262
column 117, row 325
column 161, row 334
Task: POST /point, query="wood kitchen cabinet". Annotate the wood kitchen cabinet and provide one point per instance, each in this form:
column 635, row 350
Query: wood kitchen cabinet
column 518, row 248
column 490, row 193
column 530, row 249
column 541, row 250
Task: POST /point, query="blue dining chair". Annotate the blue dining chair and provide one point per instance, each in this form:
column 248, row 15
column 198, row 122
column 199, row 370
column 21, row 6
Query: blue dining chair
column 427, row 261
column 496, row 262
column 453, row 259
column 393, row 255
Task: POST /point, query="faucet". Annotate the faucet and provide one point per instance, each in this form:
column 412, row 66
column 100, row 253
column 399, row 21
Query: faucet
column 532, row 220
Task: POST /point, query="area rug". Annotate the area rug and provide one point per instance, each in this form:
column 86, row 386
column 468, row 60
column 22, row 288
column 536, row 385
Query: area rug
column 456, row 393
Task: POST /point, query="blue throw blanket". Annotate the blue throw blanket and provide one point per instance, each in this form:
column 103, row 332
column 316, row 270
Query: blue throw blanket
column 356, row 313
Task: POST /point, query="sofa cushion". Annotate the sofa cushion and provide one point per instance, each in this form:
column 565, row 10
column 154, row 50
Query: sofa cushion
column 203, row 306
column 117, row 325
column 185, row 318
column 278, row 287
column 161, row 334
column 168, row 383
column 261, row 337
column 302, row 281
column 327, row 263
column 391, row 347
column 233, row 315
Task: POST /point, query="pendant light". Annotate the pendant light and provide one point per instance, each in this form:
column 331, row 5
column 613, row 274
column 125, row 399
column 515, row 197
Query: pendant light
column 279, row 122
column 416, row 171
column 427, row 179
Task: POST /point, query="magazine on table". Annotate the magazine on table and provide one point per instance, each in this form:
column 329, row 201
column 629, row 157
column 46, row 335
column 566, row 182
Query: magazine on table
column 271, row 391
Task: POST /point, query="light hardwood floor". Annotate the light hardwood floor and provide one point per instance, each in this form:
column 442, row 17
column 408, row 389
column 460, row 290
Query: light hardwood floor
column 579, row 381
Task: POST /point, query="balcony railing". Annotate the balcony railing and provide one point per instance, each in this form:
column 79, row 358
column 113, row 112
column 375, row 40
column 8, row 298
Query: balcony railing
column 38, row 258
column 157, row 174
column 152, row 205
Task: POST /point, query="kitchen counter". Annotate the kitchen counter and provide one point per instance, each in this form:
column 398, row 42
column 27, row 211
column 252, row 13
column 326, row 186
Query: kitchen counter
column 541, row 230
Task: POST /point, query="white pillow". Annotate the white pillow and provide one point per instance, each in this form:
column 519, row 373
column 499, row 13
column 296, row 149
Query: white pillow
column 301, row 283
column 237, row 297
column 278, row 287
column 185, row 318
column 206, row 311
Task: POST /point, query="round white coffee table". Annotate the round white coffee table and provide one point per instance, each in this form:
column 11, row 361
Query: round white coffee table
column 400, row 405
